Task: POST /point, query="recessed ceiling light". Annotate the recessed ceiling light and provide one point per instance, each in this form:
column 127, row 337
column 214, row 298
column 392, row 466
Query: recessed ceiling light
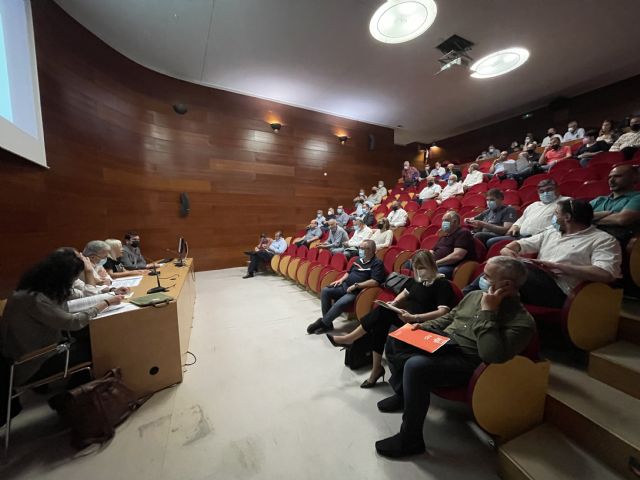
column 398, row 21
column 499, row 63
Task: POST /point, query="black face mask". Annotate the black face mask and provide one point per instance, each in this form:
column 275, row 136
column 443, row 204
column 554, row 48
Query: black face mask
column 430, row 184
column 531, row 151
column 394, row 208
column 135, row 243
column 380, row 225
column 635, row 127
column 555, row 147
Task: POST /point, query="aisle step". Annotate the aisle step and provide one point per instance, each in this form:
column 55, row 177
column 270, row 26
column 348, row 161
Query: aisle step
column 629, row 326
column 617, row 365
column 545, row 453
column 600, row 418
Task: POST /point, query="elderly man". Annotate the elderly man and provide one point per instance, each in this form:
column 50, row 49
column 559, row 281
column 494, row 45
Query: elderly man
column 454, row 246
column 437, row 171
column 338, row 237
column 496, row 220
column 453, row 188
column 410, row 175
column 525, row 165
column 276, row 246
column 378, row 193
column 498, row 165
column 132, row 258
column 97, row 251
column 537, row 216
column 487, row 326
column 312, row 233
column 619, row 212
column 629, row 142
column 551, row 133
column 590, row 148
column 366, row 271
column 571, row 252
column 341, row 217
column 451, row 170
column 553, row 154
column 474, row 176
column 397, row 216
column 93, row 280
column 431, row 191
column 361, row 233
column 573, row 132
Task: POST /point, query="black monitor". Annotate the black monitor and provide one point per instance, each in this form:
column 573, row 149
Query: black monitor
column 183, row 251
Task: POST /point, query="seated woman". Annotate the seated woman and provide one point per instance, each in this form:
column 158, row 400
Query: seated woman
column 427, row 296
column 383, row 235
column 114, row 266
column 35, row 316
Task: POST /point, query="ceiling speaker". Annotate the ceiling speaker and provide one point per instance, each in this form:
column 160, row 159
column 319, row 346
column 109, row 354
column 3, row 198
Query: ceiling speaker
column 180, row 108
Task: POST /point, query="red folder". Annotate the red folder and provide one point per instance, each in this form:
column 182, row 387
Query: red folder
column 427, row 341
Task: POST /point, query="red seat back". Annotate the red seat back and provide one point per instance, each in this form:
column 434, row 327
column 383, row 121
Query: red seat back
column 350, row 262
column 291, row 250
column 568, row 164
column 595, row 189
column 338, row 261
column 420, row 220
column 535, row 179
column 452, row 203
column 302, row 252
column 529, row 194
column 324, row 256
column 430, row 230
column 478, row 188
column 474, row 200
column 412, row 206
column 456, row 291
column 579, row 174
column 312, row 254
column 429, row 242
column 390, row 258
column 408, row 242
column 574, row 189
column 508, row 184
column 481, row 250
column 494, row 251
column 511, row 197
column 607, row 157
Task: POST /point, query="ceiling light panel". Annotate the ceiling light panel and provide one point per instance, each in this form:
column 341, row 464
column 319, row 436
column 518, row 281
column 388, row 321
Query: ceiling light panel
column 398, row 21
column 499, row 63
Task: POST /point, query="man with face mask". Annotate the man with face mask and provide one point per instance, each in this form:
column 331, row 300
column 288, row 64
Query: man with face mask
column 366, row 271
column 453, row 188
column 410, row 175
column 337, row 238
column 437, row 171
column 378, row 193
column 432, row 190
column 368, row 217
column 474, row 176
column 526, row 163
column 551, row 133
column 341, row 217
column 97, row 252
column 553, row 154
column 275, row 246
column 573, row 132
column 537, row 216
column 568, row 253
column 629, row 142
column 312, row 233
column 361, row 233
column 454, row 246
column 498, row 165
column 397, row 216
column 492, row 152
column 132, row 258
column 496, row 220
column 491, row 327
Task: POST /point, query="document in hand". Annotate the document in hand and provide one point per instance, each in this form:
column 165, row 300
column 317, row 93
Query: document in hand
column 427, row 341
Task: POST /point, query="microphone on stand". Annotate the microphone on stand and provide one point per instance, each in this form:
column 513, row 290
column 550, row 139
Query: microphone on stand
column 159, row 288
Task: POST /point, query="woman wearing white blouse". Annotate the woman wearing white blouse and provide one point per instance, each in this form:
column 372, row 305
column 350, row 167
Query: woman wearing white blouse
column 383, row 236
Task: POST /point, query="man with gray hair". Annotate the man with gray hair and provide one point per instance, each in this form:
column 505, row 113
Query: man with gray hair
column 338, row 237
column 97, row 251
column 489, row 326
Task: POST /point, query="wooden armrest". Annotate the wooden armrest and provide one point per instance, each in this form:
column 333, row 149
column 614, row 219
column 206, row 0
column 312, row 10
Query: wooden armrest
column 54, row 348
column 364, row 301
column 463, row 273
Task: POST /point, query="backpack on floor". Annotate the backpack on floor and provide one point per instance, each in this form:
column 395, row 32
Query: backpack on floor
column 359, row 354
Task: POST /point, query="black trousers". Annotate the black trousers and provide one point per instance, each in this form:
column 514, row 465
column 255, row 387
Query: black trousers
column 415, row 373
column 541, row 289
column 377, row 324
column 256, row 258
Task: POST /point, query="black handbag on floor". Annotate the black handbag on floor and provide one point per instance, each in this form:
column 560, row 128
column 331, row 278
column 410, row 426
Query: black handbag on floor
column 359, row 354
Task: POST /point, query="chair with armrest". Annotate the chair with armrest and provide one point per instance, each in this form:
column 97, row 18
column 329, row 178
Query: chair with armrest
column 463, row 273
column 277, row 260
column 292, row 268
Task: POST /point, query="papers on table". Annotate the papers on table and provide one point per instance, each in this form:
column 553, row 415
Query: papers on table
column 115, row 309
column 127, row 282
column 83, row 303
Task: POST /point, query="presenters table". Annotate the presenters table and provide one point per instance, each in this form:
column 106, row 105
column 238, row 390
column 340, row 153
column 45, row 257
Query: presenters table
column 148, row 344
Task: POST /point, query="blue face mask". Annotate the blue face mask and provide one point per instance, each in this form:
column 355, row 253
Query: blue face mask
column 554, row 223
column 547, row 197
column 361, row 253
column 101, row 262
column 484, row 284
column 339, row 211
column 451, row 182
column 446, row 225
column 491, row 204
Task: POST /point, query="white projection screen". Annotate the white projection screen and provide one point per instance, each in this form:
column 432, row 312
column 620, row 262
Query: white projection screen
column 20, row 115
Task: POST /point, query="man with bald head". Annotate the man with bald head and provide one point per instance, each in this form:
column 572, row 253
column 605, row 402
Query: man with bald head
column 338, row 237
column 619, row 212
column 454, row 246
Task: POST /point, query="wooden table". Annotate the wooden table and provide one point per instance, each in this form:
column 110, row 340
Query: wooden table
column 149, row 344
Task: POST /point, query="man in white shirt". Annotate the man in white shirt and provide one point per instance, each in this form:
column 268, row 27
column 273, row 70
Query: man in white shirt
column 378, row 194
column 453, row 188
column 474, row 176
column 537, row 216
column 630, row 140
column 573, row 132
column 498, row 165
column 546, row 141
column 432, row 190
column 360, row 234
column 397, row 216
column 97, row 252
column 437, row 171
column 568, row 253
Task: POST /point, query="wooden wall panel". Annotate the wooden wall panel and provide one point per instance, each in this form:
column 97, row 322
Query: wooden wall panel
column 119, row 158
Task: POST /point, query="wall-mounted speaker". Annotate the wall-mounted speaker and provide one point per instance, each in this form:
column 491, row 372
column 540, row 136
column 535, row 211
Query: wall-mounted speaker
column 372, row 142
column 180, row 108
column 185, row 205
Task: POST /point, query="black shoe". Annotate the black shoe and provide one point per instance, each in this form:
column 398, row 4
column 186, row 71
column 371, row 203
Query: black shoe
column 323, row 328
column 248, row 275
column 342, row 346
column 398, row 447
column 314, row 326
column 394, row 403
column 368, row 384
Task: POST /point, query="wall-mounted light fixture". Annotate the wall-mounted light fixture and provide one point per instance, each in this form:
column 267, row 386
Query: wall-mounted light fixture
column 343, row 139
column 276, row 127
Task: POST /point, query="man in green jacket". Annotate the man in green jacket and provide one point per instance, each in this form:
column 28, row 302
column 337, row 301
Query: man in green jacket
column 489, row 326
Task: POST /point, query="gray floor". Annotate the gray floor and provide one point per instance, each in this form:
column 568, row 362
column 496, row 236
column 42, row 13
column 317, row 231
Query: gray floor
column 263, row 401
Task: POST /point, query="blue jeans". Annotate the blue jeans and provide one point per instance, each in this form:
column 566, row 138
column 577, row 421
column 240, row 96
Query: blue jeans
column 341, row 301
column 447, row 270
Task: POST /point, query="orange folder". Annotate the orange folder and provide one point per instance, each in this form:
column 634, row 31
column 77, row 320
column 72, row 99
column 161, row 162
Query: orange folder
column 427, row 341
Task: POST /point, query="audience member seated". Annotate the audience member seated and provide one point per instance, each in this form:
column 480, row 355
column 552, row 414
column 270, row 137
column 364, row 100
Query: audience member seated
column 428, row 295
column 571, row 252
column 397, row 216
column 357, row 212
column 453, row 188
column 35, row 316
column 378, row 194
column 491, row 327
column 483, row 156
column 97, row 252
column 537, row 216
column 438, row 171
column 382, row 236
column 312, row 234
column 410, row 175
column 514, row 147
column 275, row 246
column 368, row 217
column 454, row 246
column 573, row 132
column 529, row 138
column 607, row 133
column 590, row 148
column 341, row 217
column 492, row 152
column 629, row 142
column 451, row 169
column 431, row 191
column 551, row 133
column 474, row 176
column 525, row 165
column 320, row 218
column 496, row 220
column 361, row 233
column 427, row 169
column 366, row 271
column 338, row 237
column 114, row 266
column 619, row 212
column 498, row 165
column 132, row 258
column 553, row 154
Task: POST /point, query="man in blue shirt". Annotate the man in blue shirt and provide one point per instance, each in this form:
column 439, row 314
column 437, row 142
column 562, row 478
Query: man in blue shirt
column 277, row 246
column 312, row 233
column 366, row 271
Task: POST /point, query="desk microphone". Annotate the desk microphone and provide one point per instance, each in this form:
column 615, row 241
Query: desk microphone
column 159, row 288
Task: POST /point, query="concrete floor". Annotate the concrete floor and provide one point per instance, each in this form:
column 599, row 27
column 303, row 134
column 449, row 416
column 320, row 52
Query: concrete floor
column 264, row 401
